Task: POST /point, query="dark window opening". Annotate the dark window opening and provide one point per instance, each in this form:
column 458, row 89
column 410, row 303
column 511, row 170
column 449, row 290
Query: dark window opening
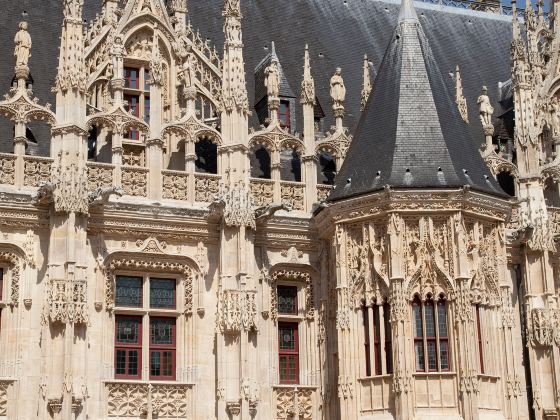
column 162, row 293
column 206, row 157
column 290, row 165
column 288, row 352
column 287, row 300
column 128, row 291
column 327, row 168
column 551, row 193
column 507, row 182
column 92, row 143
column 260, row 163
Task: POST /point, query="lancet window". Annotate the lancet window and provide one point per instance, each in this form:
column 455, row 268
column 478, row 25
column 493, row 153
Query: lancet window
column 145, row 327
column 431, row 338
column 288, row 334
column 377, row 339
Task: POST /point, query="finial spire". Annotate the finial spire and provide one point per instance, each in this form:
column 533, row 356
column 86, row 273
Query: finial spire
column 407, row 12
column 366, row 85
column 308, row 84
column 516, row 33
column 460, row 99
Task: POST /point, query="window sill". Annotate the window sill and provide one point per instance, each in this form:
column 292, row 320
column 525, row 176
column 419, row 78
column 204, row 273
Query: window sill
column 290, row 386
column 369, row 378
column 124, row 310
column 450, row 373
column 144, row 381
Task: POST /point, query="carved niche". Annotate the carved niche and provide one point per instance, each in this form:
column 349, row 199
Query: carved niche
column 14, row 263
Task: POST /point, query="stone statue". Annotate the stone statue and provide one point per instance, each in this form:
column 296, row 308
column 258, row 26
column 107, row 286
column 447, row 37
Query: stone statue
column 486, row 109
column 188, row 70
column 23, row 45
column 272, row 80
column 338, row 90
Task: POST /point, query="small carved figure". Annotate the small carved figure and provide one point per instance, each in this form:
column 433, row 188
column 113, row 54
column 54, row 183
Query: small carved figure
column 44, row 194
column 272, row 81
column 23, row 45
column 101, row 196
column 338, row 90
column 188, row 69
column 486, row 110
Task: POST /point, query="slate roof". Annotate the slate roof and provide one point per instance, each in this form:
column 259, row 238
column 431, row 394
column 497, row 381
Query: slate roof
column 339, row 33
column 411, row 134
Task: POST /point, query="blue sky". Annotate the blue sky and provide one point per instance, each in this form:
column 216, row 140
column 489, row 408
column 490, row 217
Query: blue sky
column 521, row 3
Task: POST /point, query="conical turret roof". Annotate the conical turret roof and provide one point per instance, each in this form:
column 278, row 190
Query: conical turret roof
column 411, row 134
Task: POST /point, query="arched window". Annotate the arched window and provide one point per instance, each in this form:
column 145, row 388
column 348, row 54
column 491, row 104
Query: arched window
column 507, row 182
column 326, row 168
column 431, row 340
column 206, row 156
column 377, row 339
column 290, row 165
column 260, row 162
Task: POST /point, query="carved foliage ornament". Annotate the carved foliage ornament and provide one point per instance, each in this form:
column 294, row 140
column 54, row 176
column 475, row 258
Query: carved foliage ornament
column 66, row 301
column 14, row 262
column 544, row 327
column 137, row 263
column 292, row 275
column 237, row 311
column 294, row 403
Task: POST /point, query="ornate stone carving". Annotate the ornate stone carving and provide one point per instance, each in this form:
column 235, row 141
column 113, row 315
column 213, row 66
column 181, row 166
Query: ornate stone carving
column 234, row 408
column 36, row 170
column 100, row 196
column 307, row 84
column 296, row 403
column 207, row 188
column 55, row 405
column 460, row 99
column 237, row 206
column 100, row 176
column 323, row 192
column 67, row 301
column 544, row 328
column 366, row 84
column 469, row 382
column 175, row 185
column 14, row 262
column 4, row 387
column 7, row 169
column 134, row 181
column 485, row 108
column 292, row 275
column 338, row 92
column 293, row 194
column 237, row 311
column 23, row 43
column 402, row 381
column 137, row 263
column 70, row 188
column 262, row 191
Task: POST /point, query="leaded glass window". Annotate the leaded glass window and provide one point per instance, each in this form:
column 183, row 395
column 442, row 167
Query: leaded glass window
column 128, row 349
column 162, row 348
column 287, row 300
column 128, row 291
column 288, row 352
column 162, row 293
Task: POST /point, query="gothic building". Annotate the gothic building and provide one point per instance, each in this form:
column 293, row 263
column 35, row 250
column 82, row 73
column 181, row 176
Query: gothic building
column 252, row 210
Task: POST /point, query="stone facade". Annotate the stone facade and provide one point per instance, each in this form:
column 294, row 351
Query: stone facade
column 278, row 304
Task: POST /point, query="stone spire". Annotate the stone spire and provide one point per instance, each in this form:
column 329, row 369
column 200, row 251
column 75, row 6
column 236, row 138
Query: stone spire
column 307, row 84
column 366, row 84
column 410, row 134
column 234, row 95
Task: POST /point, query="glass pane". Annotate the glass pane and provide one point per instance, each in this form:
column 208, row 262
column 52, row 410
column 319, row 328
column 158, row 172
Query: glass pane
column 288, row 369
column 432, row 359
column 147, row 110
column 120, row 362
column 133, row 362
column 162, row 293
column 155, row 365
column 430, row 322
column 287, row 300
column 147, row 80
column 167, row 363
column 128, row 330
column 442, row 319
column 417, row 321
column 287, row 338
column 419, row 350
column 129, row 291
column 444, row 354
column 161, row 331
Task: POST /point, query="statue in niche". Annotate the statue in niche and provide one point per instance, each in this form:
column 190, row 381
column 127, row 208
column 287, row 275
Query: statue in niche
column 271, row 81
column 338, row 90
column 486, row 110
column 188, row 71
column 23, row 43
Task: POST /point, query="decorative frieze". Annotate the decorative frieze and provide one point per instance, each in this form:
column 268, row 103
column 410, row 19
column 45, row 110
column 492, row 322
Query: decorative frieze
column 100, row 175
column 262, row 191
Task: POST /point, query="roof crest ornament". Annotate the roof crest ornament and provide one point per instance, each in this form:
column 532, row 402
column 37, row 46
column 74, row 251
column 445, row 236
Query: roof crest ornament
column 407, row 12
column 460, row 99
column 366, row 85
column 308, row 84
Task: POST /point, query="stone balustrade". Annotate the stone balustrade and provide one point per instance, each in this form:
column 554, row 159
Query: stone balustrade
column 293, row 193
column 175, row 185
column 295, row 402
column 323, row 192
column 36, row 170
column 263, row 191
column 7, row 169
column 135, row 181
column 100, row 175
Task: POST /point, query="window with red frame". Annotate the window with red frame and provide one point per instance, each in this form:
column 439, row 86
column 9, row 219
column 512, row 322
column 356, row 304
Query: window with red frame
column 162, row 348
column 479, row 339
column 376, row 340
column 431, row 341
column 131, row 79
column 284, row 114
column 388, row 338
column 365, row 319
column 287, row 300
column 288, row 352
column 128, row 346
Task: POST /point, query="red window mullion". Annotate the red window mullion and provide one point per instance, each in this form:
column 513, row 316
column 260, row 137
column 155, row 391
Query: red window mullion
column 127, row 348
column 376, row 340
column 366, row 339
column 161, row 349
column 388, row 338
